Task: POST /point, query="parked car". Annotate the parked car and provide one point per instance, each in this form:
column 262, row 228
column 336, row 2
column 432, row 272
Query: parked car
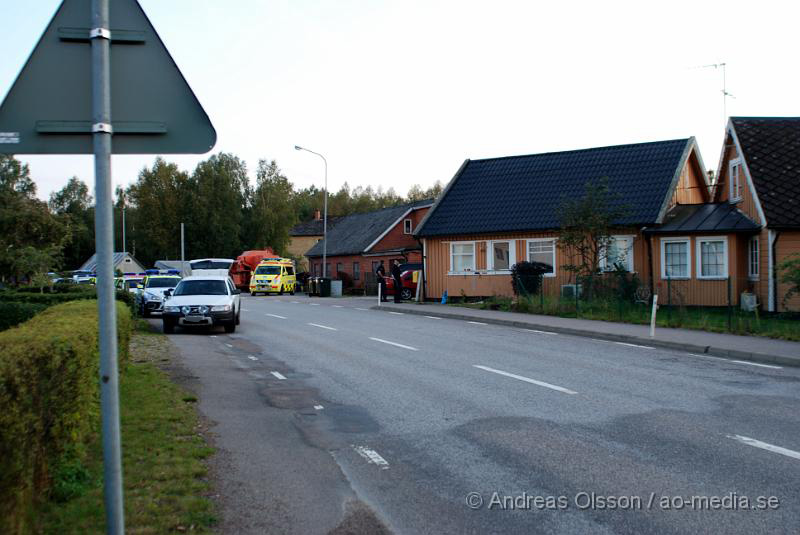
column 409, row 290
column 150, row 297
column 202, row 301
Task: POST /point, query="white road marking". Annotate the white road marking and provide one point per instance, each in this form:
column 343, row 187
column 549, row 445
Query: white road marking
column 526, row 379
column 357, row 308
column 278, row 375
column 764, row 446
column 397, row 313
column 372, row 457
column 737, row 361
column 394, row 344
column 314, row 304
column 228, row 345
column 318, row 407
column 337, row 306
column 251, row 357
column 245, row 310
column 295, row 302
column 276, row 316
column 477, row 323
column 322, row 326
column 537, row 332
column 633, row 345
column 213, row 336
column 433, row 317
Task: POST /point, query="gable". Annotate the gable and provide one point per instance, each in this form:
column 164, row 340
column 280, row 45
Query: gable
column 523, row 193
column 692, row 186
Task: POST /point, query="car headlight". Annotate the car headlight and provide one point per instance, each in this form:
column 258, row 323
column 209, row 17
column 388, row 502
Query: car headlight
column 152, row 297
column 172, row 309
column 221, row 308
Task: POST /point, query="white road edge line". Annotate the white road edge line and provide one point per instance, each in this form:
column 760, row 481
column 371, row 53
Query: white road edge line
column 477, row 323
column 633, row 345
column 398, row 313
column 276, row 316
column 537, row 332
column 323, row 326
column 357, row 308
column 337, row 306
column 278, row 375
column 736, row 361
column 764, row 446
column 251, row 357
column 318, row 407
column 372, row 457
column 526, row 379
column 433, row 317
column 393, row 344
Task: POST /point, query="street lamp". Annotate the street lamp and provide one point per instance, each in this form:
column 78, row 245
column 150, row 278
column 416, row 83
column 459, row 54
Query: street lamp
column 325, row 211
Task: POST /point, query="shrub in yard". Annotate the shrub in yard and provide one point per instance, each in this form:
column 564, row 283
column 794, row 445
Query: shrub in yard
column 49, row 396
column 526, row 277
column 12, row 313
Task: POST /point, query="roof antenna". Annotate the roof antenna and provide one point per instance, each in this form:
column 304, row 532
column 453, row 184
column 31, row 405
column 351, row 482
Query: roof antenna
column 725, row 93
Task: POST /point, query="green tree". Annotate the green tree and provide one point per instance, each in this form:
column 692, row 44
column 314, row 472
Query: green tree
column 790, row 274
column 272, row 213
column 159, row 197
column 25, row 221
column 416, row 193
column 586, row 226
column 219, row 197
column 73, row 205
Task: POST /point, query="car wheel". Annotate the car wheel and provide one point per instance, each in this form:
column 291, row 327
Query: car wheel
column 291, row 292
column 237, row 315
column 281, row 292
column 145, row 313
column 230, row 327
column 406, row 294
column 169, row 327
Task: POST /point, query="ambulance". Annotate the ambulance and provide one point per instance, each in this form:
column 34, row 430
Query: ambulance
column 274, row 275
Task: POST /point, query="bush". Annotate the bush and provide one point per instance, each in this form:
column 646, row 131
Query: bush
column 47, row 298
column 12, row 313
column 50, row 398
column 60, row 288
column 526, row 277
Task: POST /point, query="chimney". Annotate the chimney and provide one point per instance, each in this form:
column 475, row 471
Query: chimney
column 317, row 215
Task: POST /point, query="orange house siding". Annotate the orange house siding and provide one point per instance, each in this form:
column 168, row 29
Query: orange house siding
column 482, row 283
column 788, row 244
column 691, row 187
column 748, row 203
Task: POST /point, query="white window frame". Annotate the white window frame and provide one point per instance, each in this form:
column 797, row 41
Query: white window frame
column 688, row 242
column 474, row 258
column 408, row 226
column 555, row 249
column 699, row 260
column 736, row 187
column 512, row 255
column 752, row 251
column 629, row 260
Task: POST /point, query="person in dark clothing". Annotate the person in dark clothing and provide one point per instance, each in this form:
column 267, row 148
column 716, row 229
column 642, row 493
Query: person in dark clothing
column 398, row 281
column 380, row 273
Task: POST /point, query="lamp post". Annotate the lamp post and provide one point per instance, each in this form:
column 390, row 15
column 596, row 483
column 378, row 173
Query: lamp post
column 325, row 210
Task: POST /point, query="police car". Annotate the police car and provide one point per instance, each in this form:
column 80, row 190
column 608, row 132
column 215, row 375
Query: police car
column 150, row 294
column 202, row 301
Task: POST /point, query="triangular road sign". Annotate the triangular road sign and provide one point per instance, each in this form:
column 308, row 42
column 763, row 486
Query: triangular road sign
column 153, row 110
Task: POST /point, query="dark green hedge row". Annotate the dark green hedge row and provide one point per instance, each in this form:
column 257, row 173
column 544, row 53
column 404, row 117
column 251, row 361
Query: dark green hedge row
column 13, row 313
column 49, row 394
column 56, row 289
column 46, row 299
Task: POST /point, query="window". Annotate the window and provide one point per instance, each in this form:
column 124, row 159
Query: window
column 500, row 255
column 290, row 270
column 736, row 178
column 712, row 258
column 339, row 268
column 752, row 256
column 356, row 271
column 327, row 269
column 543, row 251
column 462, row 257
column 407, row 226
column 675, row 258
column 620, row 252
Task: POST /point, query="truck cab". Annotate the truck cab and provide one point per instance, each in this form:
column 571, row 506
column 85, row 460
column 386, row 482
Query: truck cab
column 274, row 275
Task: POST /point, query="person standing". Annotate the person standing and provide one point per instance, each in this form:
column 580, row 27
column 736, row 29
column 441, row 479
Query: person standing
column 398, row 281
column 380, row 274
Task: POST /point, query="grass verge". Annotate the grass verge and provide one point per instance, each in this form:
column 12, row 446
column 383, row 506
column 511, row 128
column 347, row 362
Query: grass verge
column 783, row 326
column 165, row 476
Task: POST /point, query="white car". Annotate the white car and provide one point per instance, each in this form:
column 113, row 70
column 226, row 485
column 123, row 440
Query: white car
column 204, row 300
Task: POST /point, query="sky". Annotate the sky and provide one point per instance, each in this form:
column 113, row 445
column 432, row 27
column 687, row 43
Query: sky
column 396, row 93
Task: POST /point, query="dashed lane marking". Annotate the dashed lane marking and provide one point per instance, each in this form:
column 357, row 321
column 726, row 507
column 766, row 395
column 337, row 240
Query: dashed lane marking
column 394, row 344
column 323, row 326
column 526, row 379
column 279, row 375
column 765, row 446
column 372, row 457
column 276, row 316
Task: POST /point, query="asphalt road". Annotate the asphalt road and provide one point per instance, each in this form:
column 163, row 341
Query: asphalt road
column 327, row 410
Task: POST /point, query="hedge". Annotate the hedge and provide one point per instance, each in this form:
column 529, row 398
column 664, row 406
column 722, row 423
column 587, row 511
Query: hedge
column 13, row 313
column 49, row 394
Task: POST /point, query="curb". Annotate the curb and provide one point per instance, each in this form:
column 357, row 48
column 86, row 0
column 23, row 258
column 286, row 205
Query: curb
column 664, row 344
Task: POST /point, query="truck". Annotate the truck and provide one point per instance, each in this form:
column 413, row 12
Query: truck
column 244, row 265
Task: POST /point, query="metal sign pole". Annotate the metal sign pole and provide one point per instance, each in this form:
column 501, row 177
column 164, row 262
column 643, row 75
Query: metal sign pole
column 104, row 240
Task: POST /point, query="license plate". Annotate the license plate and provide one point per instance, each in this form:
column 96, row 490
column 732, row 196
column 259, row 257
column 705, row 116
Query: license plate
column 194, row 319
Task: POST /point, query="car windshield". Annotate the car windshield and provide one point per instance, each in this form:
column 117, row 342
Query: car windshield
column 210, row 264
column 133, row 284
column 268, row 270
column 163, row 282
column 201, row 287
